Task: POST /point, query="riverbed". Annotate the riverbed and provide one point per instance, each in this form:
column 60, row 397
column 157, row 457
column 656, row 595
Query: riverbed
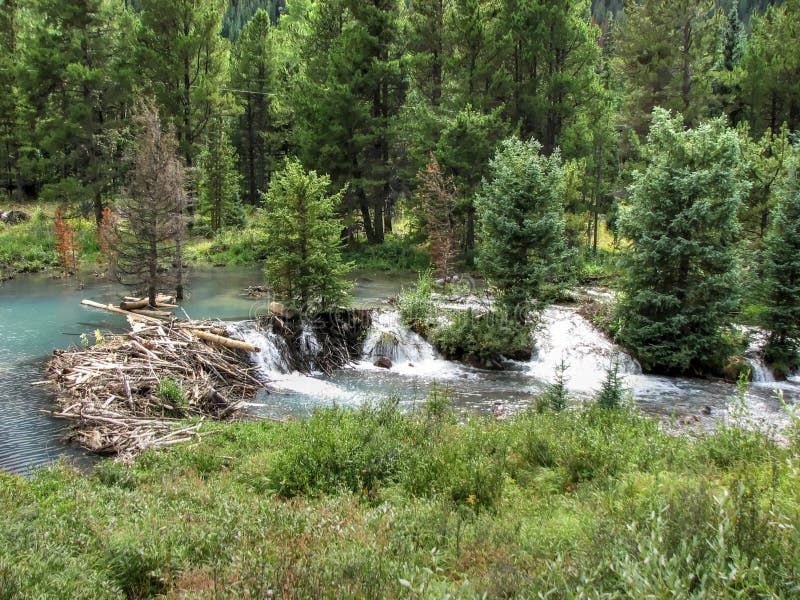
column 39, row 313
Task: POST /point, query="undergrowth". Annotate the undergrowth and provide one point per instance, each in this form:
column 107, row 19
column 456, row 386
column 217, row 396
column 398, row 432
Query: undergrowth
column 587, row 502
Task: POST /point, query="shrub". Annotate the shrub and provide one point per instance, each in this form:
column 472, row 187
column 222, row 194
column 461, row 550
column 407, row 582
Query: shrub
column 172, row 395
column 483, row 340
column 394, row 254
column 417, row 309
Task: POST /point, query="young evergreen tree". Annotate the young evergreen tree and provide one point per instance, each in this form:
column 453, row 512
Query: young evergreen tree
column 219, row 179
column 521, row 217
column 680, row 272
column 781, row 260
column 304, row 266
column 148, row 231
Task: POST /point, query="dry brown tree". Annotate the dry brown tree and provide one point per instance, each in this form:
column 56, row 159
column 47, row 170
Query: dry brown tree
column 149, row 225
column 438, row 195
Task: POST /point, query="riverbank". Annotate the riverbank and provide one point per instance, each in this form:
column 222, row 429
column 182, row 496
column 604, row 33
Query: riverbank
column 373, row 503
column 30, row 246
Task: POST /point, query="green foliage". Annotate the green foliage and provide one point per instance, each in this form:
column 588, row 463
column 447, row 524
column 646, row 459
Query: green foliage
column 219, row 180
column 172, row 395
column 483, row 340
column 664, row 55
column 769, row 89
column 522, row 223
column 781, row 279
column 396, row 253
column 184, row 62
column 612, row 392
column 417, row 308
column 558, row 503
column 679, row 274
column 254, row 74
column 304, row 265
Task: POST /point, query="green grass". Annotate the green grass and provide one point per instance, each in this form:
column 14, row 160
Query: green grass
column 30, row 247
column 376, row 504
column 396, row 253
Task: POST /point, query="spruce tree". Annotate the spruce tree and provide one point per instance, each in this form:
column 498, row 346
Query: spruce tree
column 680, row 285
column 219, row 179
column 304, row 266
column 521, row 217
column 781, row 261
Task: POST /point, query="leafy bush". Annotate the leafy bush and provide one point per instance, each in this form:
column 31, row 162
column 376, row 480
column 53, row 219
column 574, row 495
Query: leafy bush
column 417, row 308
column 172, row 395
column 483, row 340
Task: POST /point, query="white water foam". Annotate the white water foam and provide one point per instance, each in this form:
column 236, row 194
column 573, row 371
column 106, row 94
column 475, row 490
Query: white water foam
column 564, row 334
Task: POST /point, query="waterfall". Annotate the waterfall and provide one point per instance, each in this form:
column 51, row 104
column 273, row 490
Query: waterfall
column 564, row 334
column 410, row 353
column 759, row 370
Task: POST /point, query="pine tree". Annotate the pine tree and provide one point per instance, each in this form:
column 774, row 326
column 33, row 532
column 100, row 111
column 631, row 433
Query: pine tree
column 11, row 100
column 550, row 63
column 219, row 179
column 769, row 81
column 149, row 224
column 781, row 261
column 253, row 75
column 521, row 218
column 665, row 52
column 78, row 93
column 726, row 73
column 680, row 272
column 348, row 99
column 304, row 266
column 184, row 62
column 466, row 144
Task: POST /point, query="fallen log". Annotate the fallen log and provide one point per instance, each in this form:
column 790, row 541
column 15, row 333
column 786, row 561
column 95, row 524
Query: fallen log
column 143, row 304
column 225, row 341
column 203, row 335
column 119, row 311
column 153, row 313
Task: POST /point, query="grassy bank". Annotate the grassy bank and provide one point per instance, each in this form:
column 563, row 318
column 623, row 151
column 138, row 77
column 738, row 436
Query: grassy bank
column 30, row 246
column 372, row 503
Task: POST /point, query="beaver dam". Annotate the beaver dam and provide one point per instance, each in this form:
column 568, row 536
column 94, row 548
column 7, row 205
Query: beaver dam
column 134, row 391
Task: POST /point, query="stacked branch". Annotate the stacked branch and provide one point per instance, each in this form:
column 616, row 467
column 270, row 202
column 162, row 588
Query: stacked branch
column 116, row 395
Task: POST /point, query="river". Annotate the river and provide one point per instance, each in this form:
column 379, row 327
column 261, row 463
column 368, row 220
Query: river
column 39, row 313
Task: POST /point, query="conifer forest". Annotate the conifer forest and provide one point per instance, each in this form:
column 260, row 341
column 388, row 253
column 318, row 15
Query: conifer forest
column 399, row 298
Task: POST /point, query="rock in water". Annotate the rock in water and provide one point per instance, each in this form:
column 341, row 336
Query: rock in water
column 383, row 363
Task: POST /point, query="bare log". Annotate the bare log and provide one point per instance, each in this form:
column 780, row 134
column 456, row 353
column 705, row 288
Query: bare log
column 225, row 341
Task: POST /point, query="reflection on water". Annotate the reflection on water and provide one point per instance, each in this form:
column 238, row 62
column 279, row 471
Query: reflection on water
column 38, row 314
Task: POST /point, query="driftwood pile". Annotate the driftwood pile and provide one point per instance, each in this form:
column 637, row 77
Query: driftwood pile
column 115, row 394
